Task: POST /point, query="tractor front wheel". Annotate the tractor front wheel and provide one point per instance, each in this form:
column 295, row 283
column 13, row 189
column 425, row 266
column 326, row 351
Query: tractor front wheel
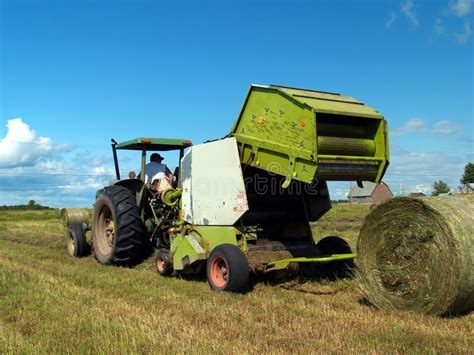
column 118, row 233
column 228, row 269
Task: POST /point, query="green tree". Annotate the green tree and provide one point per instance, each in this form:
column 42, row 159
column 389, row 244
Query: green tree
column 468, row 176
column 440, row 187
column 31, row 203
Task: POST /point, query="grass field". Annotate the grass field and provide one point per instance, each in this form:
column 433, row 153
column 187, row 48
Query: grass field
column 50, row 302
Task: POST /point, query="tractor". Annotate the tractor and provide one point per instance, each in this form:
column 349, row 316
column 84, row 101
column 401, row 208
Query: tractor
column 242, row 203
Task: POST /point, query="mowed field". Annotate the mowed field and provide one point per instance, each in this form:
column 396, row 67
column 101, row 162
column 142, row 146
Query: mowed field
column 50, row 302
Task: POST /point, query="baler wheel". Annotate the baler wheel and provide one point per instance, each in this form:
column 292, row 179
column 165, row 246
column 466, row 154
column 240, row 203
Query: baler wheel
column 336, row 245
column 118, row 233
column 77, row 244
column 163, row 265
column 228, row 269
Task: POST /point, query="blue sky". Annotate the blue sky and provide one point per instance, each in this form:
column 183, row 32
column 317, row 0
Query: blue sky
column 73, row 74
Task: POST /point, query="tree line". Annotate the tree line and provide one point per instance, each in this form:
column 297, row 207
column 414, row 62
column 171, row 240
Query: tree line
column 441, row 187
column 30, row 206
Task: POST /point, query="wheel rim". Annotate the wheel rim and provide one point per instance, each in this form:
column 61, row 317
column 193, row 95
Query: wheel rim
column 71, row 247
column 105, row 230
column 160, row 264
column 219, row 272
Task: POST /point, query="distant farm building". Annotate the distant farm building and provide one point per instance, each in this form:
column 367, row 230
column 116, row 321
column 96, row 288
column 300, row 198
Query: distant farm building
column 370, row 193
column 417, row 194
column 468, row 188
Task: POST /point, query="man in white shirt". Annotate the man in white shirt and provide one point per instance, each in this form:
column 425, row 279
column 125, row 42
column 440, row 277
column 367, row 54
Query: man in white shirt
column 155, row 168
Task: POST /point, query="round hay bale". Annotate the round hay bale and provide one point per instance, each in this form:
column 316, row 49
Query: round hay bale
column 75, row 215
column 418, row 255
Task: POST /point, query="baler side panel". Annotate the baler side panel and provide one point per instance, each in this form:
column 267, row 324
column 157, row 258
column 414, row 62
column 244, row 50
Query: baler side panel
column 276, row 134
column 213, row 185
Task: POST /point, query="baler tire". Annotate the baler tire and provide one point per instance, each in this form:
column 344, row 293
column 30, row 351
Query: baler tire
column 163, row 265
column 77, row 244
column 117, row 213
column 228, row 269
column 336, row 245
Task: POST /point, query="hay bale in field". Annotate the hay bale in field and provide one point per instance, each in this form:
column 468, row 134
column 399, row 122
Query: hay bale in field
column 418, row 254
column 75, row 215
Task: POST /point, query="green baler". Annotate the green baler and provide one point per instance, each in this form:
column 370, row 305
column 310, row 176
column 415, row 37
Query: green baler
column 245, row 202
column 308, row 135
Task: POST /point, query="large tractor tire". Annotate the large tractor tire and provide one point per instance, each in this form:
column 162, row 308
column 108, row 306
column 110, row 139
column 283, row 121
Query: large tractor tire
column 118, row 233
column 228, row 269
column 77, row 244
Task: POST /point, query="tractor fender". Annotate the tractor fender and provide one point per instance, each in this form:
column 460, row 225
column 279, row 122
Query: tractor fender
column 134, row 185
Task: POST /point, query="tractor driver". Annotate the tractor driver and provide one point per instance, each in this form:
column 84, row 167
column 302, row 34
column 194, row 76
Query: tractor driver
column 155, row 170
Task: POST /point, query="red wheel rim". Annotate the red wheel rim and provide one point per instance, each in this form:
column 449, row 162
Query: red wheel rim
column 219, row 273
column 160, row 264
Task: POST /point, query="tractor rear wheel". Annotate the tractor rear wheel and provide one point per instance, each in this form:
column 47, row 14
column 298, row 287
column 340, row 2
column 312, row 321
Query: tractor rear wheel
column 118, row 233
column 228, row 269
column 77, row 244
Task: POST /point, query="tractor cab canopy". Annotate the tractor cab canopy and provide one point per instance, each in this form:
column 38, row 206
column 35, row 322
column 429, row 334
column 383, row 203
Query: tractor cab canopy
column 157, row 144
column 148, row 144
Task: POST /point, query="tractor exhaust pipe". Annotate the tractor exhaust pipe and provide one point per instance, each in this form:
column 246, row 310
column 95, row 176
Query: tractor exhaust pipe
column 114, row 152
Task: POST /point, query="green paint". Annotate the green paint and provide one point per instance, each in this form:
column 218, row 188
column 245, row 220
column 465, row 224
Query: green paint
column 307, row 135
column 171, row 197
column 187, row 249
column 214, row 236
column 283, row 263
column 161, row 144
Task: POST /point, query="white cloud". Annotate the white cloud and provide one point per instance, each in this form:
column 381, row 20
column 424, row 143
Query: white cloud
column 446, row 128
column 456, row 8
column 424, row 188
column 464, row 36
column 416, row 171
column 391, row 20
column 438, row 28
column 419, row 125
column 412, row 126
column 460, row 8
column 22, row 147
column 32, row 167
column 408, row 10
column 82, row 185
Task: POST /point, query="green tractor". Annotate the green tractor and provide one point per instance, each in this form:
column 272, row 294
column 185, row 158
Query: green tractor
column 244, row 202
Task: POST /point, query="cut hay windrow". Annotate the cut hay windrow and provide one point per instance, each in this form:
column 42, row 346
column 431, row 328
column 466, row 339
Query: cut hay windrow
column 418, row 255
